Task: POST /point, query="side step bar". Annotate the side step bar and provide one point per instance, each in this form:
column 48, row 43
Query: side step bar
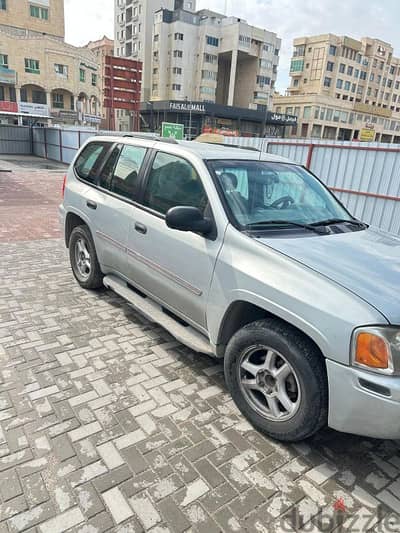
column 153, row 312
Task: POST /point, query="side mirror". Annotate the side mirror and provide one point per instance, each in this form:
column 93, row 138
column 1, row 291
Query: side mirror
column 185, row 218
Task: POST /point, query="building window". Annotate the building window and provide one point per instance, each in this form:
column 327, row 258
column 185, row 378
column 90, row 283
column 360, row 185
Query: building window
column 23, row 94
column 39, row 97
column 13, row 94
column 212, row 41
column 58, row 101
column 265, row 63
column 356, row 73
column 94, row 80
column 332, row 50
column 350, row 71
column 82, row 75
column 178, row 36
column 177, row 70
column 178, row 53
column 2, row 96
column 329, row 66
column 263, row 80
column 156, row 38
column 3, row 4
column 342, row 68
column 210, row 58
column 207, row 90
column 32, row 66
column 339, row 83
column 39, row 12
column 297, row 65
column 209, row 75
column 347, row 85
column 176, row 87
column 299, row 51
column 61, row 70
column 276, row 52
column 307, row 112
column 295, row 83
column 4, row 60
column 363, row 75
column 327, row 82
column 372, row 76
column 155, row 71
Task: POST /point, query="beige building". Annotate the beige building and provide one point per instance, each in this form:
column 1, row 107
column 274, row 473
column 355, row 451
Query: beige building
column 208, row 57
column 342, row 88
column 102, row 48
column 41, row 77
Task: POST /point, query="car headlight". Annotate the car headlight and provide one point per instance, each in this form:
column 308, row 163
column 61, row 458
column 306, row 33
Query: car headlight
column 377, row 349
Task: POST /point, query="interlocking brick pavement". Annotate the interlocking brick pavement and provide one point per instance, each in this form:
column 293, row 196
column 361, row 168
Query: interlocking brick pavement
column 108, row 424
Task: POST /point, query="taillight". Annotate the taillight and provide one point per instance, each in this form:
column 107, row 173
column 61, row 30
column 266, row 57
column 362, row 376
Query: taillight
column 63, row 186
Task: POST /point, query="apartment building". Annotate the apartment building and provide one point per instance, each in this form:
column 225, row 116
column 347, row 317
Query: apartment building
column 208, row 57
column 102, row 48
column 343, row 88
column 42, row 78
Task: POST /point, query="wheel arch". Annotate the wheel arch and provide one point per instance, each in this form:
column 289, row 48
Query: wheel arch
column 72, row 220
column 242, row 312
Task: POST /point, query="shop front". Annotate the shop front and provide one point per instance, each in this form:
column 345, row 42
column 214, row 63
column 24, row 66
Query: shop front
column 204, row 117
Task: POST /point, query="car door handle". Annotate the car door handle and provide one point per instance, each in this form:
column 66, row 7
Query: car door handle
column 141, row 228
column 91, row 204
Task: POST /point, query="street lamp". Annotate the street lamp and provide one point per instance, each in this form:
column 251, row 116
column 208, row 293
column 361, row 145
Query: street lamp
column 190, row 117
column 264, row 128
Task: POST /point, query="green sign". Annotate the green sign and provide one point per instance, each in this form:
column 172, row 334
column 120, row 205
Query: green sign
column 173, row 131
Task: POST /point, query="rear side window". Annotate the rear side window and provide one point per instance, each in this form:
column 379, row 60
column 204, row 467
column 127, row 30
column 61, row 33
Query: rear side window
column 124, row 180
column 90, row 160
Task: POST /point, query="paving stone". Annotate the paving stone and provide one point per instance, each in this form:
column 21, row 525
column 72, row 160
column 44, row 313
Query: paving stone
column 10, row 485
column 113, row 478
column 145, row 511
column 35, row 490
column 117, row 504
column 134, row 459
column 174, row 517
column 110, row 455
column 31, row 518
column 63, row 522
column 13, row 507
column 88, row 500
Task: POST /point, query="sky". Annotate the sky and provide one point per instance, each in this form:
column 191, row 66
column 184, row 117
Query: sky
column 90, row 19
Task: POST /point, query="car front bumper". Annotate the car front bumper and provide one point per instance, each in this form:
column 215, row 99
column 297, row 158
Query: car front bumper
column 363, row 403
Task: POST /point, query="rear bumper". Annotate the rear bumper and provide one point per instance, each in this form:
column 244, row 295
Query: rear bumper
column 355, row 408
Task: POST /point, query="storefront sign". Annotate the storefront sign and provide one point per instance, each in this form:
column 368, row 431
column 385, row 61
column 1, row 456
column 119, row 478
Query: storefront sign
column 10, row 107
column 92, row 119
column 187, row 106
column 281, row 118
column 34, row 109
column 367, row 135
column 172, row 131
column 8, row 76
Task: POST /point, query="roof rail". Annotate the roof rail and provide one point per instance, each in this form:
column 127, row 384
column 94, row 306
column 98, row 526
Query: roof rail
column 252, row 148
column 169, row 140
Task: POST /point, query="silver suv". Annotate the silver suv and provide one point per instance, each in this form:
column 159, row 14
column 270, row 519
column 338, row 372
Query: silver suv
column 248, row 257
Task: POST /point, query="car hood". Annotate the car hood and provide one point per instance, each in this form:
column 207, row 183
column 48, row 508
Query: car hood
column 366, row 262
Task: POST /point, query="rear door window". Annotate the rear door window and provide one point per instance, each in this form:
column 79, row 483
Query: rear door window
column 89, row 162
column 121, row 171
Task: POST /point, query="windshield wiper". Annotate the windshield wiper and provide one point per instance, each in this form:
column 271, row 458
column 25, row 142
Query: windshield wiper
column 330, row 221
column 261, row 224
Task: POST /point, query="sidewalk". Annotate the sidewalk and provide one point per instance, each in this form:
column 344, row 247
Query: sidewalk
column 108, row 424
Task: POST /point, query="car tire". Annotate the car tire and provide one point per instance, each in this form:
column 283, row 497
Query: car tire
column 83, row 258
column 277, row 378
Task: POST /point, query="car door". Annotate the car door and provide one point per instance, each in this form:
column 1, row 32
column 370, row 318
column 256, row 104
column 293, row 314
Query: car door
column 111, row 204
column 174, row 267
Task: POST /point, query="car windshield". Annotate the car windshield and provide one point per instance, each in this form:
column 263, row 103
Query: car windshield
column 258, row 192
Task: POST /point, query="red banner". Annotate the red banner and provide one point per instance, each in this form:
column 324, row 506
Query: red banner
column 11, row 107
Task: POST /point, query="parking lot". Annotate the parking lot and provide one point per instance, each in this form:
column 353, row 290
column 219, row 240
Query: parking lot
column 108, row 424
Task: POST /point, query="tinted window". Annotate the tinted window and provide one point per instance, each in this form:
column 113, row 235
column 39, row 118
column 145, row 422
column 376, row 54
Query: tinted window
column 125, row 176
column 172, row 182
column 108, row 169
column 89, row 161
